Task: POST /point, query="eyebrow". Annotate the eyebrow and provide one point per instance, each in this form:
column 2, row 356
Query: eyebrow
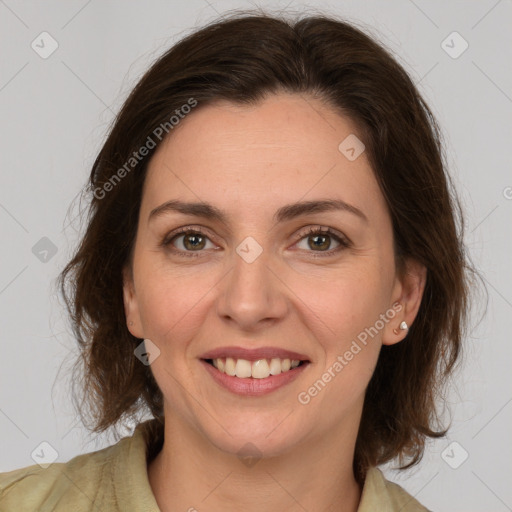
column 285, row 213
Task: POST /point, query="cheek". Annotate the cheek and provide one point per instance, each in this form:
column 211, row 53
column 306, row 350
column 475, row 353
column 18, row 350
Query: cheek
column 344, row 301
column 172, row 300
column 346, row 312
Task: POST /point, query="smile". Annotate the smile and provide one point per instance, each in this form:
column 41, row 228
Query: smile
column 259, row 369
column 254, row 378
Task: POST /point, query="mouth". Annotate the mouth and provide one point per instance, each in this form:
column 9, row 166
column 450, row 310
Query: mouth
column 256, row 369
column 253, row 372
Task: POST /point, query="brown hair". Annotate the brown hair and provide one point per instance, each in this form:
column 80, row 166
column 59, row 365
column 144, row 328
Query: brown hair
column 243, row 59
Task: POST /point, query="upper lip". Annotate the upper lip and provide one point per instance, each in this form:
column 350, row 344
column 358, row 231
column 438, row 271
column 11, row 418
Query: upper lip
column 253, row 354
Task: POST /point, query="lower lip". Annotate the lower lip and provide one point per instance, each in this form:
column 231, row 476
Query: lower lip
column 251, row 386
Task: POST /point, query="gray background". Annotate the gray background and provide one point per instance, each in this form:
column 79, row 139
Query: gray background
column 54, row 116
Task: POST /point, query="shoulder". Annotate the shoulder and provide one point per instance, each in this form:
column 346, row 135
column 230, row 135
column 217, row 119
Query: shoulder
column 385, row 496
column 85, row 483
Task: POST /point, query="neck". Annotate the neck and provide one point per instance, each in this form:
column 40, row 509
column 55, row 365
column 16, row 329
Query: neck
column 192, row 474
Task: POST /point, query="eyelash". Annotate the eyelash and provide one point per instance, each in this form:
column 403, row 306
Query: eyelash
column 189, row 230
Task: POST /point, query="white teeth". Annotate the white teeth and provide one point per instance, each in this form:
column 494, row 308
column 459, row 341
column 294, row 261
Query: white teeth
column 260, row 369
column 243, row 368
column 229, row 367
column 275, row 366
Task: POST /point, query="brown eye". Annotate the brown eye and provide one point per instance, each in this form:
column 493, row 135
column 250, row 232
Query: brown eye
column 193, row 241
column 321, row 240
column 187, row 241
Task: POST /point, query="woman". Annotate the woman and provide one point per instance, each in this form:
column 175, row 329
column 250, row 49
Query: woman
column 273, row 269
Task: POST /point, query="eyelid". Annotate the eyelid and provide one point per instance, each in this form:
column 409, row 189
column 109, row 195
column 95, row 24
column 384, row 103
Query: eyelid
column 343, row 240
column 184, row 230
column 322, row 229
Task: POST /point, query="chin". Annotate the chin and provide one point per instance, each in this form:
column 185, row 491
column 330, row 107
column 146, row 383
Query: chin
column 254, row 446
column 255, row 439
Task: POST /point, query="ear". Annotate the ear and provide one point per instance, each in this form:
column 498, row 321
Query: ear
column 407, row 294
column 131, row 305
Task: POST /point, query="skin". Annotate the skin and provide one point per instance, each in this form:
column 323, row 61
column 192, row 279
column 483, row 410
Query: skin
column 250, row 161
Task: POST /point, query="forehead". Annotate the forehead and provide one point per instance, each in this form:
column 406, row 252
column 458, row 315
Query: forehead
column 281, row 150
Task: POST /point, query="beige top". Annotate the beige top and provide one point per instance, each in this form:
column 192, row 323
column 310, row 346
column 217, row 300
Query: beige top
column 115, row 479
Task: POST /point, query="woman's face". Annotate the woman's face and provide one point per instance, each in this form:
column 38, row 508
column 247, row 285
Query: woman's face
column 260, row 285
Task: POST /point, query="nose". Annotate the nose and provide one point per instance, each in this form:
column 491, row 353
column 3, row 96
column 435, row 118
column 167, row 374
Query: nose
column 252, row 295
